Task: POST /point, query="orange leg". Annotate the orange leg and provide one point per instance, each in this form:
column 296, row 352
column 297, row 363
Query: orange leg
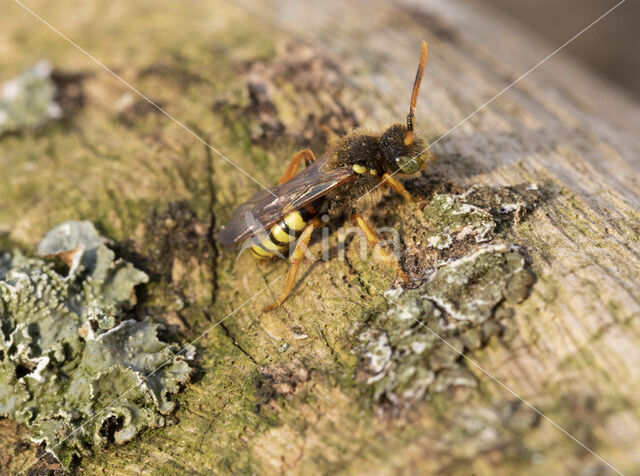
column 397, row 186
column 373, row 240
column 295, row 259
column 294, row 163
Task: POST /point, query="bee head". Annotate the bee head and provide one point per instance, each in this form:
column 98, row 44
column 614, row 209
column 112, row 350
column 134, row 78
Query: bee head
column 400, row 157
column 402, row 151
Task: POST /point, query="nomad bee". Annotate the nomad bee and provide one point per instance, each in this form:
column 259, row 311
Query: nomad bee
column 283, row 218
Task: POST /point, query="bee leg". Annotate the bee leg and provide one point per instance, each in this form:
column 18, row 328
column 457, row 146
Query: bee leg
column 294, row 163
column 373, row 240
column 397, row 186
column 295, row 259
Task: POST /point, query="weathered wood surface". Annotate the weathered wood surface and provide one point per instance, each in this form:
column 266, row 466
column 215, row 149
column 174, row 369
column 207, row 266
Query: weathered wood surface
column 573, row 349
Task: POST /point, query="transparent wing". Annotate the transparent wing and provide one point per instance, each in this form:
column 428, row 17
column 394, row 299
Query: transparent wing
column 265, row 209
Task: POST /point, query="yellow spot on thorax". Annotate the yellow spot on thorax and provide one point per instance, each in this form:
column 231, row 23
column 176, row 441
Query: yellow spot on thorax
column 359, row 169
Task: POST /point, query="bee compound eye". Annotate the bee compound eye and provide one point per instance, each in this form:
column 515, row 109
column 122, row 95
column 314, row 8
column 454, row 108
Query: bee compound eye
column 408, row 165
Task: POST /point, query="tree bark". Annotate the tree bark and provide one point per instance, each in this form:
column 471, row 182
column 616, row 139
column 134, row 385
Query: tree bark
column 283, row 391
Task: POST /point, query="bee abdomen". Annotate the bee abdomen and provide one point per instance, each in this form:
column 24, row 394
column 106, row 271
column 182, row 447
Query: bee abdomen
column 281, row 236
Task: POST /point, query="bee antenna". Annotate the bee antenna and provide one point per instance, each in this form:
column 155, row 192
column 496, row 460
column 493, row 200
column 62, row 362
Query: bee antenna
column 408, row 140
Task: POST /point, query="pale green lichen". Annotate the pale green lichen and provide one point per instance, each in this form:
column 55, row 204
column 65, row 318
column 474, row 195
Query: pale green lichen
column 469, row 288
column 458, row 219
column 72, row 368
column 28, row 100
column 477, row 213
column 69, row 236
column 402, row 353
column 475, row 430
column 505, row 202
column 414, row 349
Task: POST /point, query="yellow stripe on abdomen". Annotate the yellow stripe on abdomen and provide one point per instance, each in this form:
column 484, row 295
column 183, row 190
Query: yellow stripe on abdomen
column 259, row 253
column 282, row 235
column 266, row 248
column 270, row 246
column 295, row 221
column 279, row 234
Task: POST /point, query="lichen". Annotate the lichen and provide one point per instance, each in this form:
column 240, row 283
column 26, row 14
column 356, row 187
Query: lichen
column 477, row 213
column 500, row 425
column 402, row 354
column 73, row 368
column 414, row 349
column 28, row 100
column 458, row 220
column 469, row 288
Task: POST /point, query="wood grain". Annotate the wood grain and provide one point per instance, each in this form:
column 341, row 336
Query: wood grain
column 574, row 351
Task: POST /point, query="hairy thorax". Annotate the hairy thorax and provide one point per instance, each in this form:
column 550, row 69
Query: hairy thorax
column 360, row 151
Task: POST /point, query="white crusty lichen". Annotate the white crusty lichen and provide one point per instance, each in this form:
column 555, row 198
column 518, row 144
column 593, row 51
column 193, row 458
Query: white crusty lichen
column 458, row 220
column 469, row 288
column 29, row 100
column 477, row 213
column 73, row 368
column 414, row 348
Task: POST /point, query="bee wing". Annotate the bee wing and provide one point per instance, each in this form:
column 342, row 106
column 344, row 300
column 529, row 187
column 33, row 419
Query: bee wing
column 266, row 208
